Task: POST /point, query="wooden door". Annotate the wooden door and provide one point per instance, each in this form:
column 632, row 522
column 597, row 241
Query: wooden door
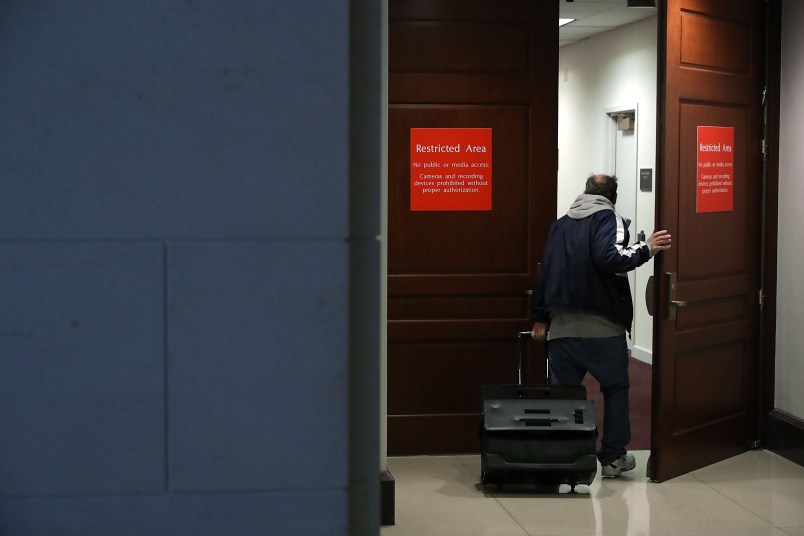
column 458, row 279
column 706, row 374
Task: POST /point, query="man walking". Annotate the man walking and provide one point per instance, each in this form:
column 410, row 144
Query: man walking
column 582, row 306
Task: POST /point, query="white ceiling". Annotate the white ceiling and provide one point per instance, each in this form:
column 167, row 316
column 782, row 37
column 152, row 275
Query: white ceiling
column 596, row 16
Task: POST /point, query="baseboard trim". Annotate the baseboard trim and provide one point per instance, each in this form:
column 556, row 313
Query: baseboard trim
column 646, row 356
column 786, row 436
column 387, row 498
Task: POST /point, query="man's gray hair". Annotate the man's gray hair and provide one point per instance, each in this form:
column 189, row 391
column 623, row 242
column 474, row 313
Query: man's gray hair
column 600, row 184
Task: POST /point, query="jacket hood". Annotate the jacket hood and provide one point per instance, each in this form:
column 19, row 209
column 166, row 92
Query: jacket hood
column 587, row 204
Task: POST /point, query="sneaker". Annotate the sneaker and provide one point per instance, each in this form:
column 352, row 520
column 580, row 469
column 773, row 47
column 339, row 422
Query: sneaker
column 624, row 463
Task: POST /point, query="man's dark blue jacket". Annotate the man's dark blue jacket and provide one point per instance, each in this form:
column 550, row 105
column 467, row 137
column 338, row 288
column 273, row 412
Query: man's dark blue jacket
column 584, row 264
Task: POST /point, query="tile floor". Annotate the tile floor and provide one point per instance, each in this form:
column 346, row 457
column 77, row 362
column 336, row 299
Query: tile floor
column 755, row 494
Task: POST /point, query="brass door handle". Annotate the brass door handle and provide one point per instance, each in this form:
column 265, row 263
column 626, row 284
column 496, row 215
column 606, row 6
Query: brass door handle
column 672, row 303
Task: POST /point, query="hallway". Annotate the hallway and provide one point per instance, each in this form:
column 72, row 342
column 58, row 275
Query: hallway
column 755, row 494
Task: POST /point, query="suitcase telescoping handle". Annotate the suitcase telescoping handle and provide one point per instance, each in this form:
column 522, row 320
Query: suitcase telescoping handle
column 522, row 343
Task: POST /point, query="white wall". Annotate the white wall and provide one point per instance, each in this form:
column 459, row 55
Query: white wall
column 614, row 69
column 790, row 293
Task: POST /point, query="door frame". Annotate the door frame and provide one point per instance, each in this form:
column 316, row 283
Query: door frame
column 769, row 236
column 770, row 217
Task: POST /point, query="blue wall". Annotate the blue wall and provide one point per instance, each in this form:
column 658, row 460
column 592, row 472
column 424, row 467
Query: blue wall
column 174, row 267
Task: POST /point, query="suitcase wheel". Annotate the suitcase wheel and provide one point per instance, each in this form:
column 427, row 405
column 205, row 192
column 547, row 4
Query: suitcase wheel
column 486, row 478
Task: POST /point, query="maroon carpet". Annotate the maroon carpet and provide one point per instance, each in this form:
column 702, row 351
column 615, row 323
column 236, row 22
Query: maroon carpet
column 639, row 401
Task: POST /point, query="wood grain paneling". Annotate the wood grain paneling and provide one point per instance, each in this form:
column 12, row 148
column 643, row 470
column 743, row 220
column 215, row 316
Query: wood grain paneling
column 715, row 43
column 461, row 242
column 459, row 46
column 720, row 365
column 458, row 280
column 706, row 372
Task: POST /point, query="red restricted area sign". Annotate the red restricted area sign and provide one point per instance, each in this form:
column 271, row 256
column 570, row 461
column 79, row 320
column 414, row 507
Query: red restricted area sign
column 715, row 169
column 450, row 169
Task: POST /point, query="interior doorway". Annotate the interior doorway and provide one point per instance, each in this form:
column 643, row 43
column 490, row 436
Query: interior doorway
column 632, row 80
column 607, row 124
column 458, row 281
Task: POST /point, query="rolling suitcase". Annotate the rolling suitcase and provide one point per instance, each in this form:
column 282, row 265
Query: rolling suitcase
column 540, row 434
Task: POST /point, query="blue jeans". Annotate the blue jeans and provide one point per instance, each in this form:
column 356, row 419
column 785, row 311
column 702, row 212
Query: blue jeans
column 606, row 359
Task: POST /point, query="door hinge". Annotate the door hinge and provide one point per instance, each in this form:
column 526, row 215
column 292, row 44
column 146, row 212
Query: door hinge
column 764, row 147
column 761, row 299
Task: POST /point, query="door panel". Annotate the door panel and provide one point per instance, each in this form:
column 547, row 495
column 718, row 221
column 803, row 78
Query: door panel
column 705, row 378
column 472, row 242
column 458, row 280
column 717, row 249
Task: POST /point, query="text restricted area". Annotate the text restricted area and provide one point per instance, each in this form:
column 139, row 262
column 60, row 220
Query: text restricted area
column 715, row 182
column 450, row 169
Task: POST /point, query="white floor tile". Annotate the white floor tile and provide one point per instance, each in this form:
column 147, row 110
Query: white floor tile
column 770, row 486
column 766, row 531
column 439, row 496
column 633, row 507
column 755, row 494
column 631, row 504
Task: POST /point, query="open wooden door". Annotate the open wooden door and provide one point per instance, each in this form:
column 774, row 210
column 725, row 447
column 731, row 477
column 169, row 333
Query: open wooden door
column 711, row 65
column 459, row 272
